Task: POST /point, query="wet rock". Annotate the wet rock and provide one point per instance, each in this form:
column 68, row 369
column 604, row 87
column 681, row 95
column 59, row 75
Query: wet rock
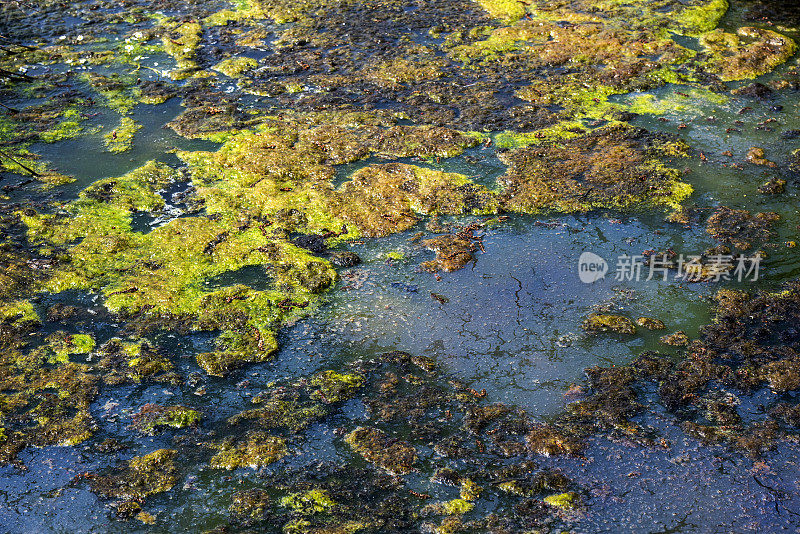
column 756, row 156
column 676, row 339
column 755, row 90
column 345, row 258
column 775, row 186
column 314, row 243
column 650, row 323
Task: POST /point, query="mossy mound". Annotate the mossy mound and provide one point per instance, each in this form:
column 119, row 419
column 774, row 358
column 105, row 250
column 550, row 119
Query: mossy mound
column 151, row 417
column 741, row 228
column 254, row 450
column 396, row 457
column 613, row 168
column 138, row 478
column 748, row 53
column 598, row 322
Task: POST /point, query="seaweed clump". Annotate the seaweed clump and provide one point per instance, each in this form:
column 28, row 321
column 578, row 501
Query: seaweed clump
column 135, row 480
column 741, row 228
column 613, row 168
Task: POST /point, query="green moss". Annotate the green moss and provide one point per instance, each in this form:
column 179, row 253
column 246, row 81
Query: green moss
column 309, row 502
column 335, row 387
column 236, row 66
column 19, row 313
column 702, row 18
column 67, row 128
column 508, row 11
column 605, row 322
column 564, row 500
column 749, row 53
column 255, row 450
column 121, row 138
column 396, row 457
column 152, row 417
column 139, row 478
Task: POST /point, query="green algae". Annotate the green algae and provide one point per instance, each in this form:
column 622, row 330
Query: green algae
column 117, row 92
column 120, row 139
column 138, row 478
column 282, row 413
column 181, row 41
column 335, row 387
column 563, row 500
column 613, row 168
column 297, row 159
column 67, row 128
column 255, row 450
column 740, row 228
column 19, row 313
column 748, row 53
column 374, row 445
column 605, row 322
column 308, row 503
column 702, row 18
column 452, row 507
column 508, row 11
column 64, row 345
column 151, row 418
column 126, row 266
column 235, row 67
column 687, row 101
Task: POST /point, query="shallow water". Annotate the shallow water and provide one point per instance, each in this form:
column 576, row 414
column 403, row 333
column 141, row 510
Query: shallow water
column 508, row 323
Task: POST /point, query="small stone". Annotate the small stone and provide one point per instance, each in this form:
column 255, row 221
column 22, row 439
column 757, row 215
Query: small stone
column 649, row 323
column 677, row 339
column 608, row 323
column 345, row 258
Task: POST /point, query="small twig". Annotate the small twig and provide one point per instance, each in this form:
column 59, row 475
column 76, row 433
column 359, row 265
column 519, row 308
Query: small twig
column 15, row 75
column 6, row 39
column 33, row 173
